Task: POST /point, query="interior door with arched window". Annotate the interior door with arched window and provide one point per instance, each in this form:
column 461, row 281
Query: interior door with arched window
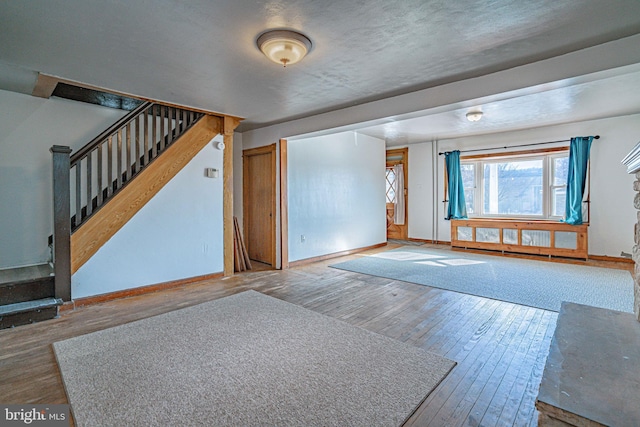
column 396, row 175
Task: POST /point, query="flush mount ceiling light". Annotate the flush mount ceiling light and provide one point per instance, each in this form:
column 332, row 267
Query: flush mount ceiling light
column 284, row 47
column 474, row 116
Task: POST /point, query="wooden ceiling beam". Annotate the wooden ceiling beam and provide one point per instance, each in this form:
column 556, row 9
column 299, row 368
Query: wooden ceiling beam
column 45, row 85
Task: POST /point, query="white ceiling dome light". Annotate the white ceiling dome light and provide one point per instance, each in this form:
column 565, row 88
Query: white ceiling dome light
column 284, row 47
column 474, row 116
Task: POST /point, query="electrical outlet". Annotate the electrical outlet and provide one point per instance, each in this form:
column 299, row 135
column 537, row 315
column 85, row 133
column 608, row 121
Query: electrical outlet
column 302, row 238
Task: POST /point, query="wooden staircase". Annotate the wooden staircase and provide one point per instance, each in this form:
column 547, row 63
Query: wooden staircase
column 27, row 295
column 97, row 190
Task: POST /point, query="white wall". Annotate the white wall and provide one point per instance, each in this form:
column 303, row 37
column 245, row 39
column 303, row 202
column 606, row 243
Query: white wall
column 176, row 235
column 420, row 192
column 612, row 213
column 237, row 177
column 335, row 194
column 613, row 216
column 29, row 127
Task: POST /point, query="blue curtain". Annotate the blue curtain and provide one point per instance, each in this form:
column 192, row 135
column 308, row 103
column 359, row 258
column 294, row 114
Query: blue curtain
column 457, row 208
column 576, row 178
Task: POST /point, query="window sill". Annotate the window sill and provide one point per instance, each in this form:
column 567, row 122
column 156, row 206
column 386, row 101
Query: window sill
column 513, row 220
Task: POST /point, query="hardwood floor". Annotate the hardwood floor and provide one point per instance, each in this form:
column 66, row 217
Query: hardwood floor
column 500, row 347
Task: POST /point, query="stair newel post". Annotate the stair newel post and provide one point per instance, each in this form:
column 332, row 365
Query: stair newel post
column 62, row 221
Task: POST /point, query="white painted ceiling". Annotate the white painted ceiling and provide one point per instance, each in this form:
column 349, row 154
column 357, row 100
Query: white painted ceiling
column 599, row 95
column 202, row 53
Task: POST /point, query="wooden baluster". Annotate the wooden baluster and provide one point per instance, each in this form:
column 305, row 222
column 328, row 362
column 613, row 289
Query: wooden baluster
column 127, row 156
column 169, row 126
column 154, row 138
column 119, row 161
column 137, row 126
column 175, row 114
column 177, row 121
column 100, row 188
column 110, row 166
column 78, row 220
column 146, row 136
column 175, row 125
column 184, row 120
column 161, row 142
column 89, row 178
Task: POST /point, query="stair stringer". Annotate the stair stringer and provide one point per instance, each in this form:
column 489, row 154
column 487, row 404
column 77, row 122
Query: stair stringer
column 93, row 234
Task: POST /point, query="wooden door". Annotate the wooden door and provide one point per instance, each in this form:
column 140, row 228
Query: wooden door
column 259, row 203
column 395, row 157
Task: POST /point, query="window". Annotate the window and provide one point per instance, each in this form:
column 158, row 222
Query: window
column 516, row 186
column 468, row 171
column 391, row 185
column 512, row 187
column 560, row 169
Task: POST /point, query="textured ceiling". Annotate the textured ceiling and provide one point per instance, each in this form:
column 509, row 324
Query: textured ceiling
column 600, row 95
column 202, row 53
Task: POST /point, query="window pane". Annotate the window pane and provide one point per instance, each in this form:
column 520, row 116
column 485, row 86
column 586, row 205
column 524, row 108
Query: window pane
column 560, row 171
column 390, row 188
column 513, row 188
column 468, row 171
column 558, row 201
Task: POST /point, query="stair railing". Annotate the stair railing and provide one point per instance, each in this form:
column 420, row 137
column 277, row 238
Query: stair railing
column 101, row 168
column 85, row 181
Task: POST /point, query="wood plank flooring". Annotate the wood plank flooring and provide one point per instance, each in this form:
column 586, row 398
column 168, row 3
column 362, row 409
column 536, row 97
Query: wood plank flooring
column 500, row 347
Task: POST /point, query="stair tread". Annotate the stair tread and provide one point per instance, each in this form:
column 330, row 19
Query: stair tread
column 14, row 283
column 21, row 274
column 20, row 307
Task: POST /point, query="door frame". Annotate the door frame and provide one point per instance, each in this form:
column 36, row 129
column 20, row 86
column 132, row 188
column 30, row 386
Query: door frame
column 246, row 182
column 284, row 206
column 404, row 152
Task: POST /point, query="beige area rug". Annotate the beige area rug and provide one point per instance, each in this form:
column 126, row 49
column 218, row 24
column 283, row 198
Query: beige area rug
column 540, row 284
column 244, row 360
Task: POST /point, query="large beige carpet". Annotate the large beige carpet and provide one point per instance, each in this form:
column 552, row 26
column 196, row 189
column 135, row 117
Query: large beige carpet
column 244, row 360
